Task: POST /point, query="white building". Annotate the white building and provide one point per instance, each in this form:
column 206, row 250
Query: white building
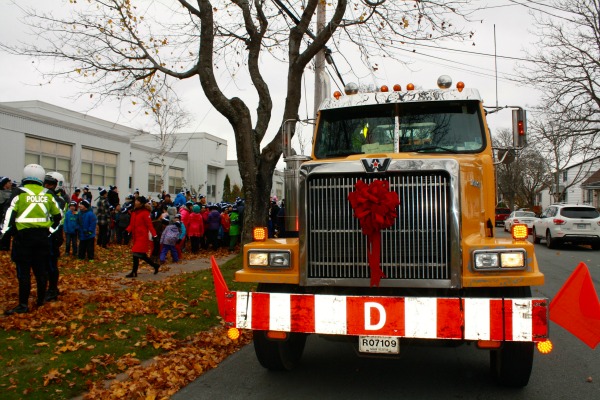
column 98, row 153
column 577, row 184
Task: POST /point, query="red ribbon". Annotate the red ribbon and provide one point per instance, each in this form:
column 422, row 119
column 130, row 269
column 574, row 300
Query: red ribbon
column 375, row 206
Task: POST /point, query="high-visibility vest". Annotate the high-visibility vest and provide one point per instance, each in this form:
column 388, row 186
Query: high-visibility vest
column 33, row 207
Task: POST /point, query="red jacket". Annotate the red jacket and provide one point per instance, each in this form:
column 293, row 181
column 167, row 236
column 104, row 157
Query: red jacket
column 195, row 225
column 139, row 226
column 225, row 223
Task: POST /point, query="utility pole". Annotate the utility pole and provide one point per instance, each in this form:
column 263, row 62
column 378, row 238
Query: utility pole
column 319, row 59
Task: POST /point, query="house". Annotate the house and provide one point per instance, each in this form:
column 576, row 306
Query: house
column 577, row 184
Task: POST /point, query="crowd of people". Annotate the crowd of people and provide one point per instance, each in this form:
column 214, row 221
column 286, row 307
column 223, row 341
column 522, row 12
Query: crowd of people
column 42, row 220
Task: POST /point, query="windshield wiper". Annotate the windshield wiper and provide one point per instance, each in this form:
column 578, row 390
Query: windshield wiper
column 429, row 148
column 343, row 153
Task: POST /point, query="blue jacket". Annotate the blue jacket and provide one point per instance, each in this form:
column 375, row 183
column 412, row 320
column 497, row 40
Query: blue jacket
column 87, row 225
column 180, row 200
column 71, row 222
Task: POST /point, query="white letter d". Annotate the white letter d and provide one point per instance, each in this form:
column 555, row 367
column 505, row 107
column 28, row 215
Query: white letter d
column 382, row 316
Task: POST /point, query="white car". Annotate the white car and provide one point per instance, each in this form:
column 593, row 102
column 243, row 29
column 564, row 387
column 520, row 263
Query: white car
column 520, row 217
column 568, row 223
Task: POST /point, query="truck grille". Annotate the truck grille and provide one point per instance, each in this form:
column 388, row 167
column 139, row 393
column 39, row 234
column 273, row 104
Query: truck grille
column 416, row 247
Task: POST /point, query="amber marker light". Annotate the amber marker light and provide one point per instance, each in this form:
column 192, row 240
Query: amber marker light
column 460, row 86
column 544, row 347
column 410, row 86
column 233, row 333
column 384, row 89
column 259, row 234
column 519, row 232
column 277, row 335
column 397, row 88
column 337, row 94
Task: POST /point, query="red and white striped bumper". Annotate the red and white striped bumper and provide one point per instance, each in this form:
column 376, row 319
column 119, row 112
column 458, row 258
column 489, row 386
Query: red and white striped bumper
column 412, row 317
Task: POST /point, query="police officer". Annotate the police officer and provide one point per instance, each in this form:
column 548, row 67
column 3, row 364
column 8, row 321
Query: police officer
column 53, row 182
column 35, row 214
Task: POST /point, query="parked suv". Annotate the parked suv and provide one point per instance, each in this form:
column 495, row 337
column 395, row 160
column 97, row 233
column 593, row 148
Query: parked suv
column 501, row 215
column 568, row 223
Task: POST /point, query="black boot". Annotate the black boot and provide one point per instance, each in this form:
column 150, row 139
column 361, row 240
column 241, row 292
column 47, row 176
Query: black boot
column 52, row 294
column 20, row 309
column 133, row 273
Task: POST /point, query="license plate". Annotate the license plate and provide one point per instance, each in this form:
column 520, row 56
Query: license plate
column 379, row 344
column 583, row 226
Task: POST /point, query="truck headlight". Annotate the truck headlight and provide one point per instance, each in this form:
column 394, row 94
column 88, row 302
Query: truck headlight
column 271, row 258
column 499, row 259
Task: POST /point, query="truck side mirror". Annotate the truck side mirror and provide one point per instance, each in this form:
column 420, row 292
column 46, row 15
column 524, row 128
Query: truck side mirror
column 519, row 128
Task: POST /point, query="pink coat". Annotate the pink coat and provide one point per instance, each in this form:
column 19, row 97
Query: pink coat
column 195, row 225
column 139, row 227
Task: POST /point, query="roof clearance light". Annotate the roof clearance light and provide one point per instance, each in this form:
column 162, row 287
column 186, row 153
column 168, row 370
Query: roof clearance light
column 410, row 86
column 384, row 89
column 259, row 234
column 351, row 88
column 519, row 232
column 397, row 88
column 460, row 86
column 337, row 94
column 444, row 82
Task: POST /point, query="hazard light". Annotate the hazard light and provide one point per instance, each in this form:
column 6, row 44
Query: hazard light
column 384, row 89
column 260, row 233
column 460, row 86
column 519, row 231
column 410, row 86
column 397, row 88
column 544, row 347
column 233, row 333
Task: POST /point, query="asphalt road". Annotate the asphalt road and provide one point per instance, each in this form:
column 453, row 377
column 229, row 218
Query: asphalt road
column 331, row 370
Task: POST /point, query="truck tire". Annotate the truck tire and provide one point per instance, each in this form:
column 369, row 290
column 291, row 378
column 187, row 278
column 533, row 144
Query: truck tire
column 511, row 364
column 278, row 355
column 536, row 239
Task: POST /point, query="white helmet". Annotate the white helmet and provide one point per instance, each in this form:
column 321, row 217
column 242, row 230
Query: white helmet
column 55, row 178
column 34, row 173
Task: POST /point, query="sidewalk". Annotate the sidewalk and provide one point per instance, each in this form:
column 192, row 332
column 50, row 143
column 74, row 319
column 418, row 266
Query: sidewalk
column 146, row 273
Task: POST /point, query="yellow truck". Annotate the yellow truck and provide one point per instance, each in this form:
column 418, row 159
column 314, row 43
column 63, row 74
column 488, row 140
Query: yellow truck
column 389, row 238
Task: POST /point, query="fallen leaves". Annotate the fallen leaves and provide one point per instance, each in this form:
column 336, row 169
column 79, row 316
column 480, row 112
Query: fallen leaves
column 90, row 315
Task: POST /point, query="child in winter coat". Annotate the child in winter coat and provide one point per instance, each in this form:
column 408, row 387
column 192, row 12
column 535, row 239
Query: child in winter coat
column 87, row 230
column 196, row 228
column 71, row 228
column 234, row 229
column 168, row 240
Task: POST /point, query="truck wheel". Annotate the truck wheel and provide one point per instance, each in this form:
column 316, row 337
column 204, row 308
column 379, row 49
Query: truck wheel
column 536, row 239
column 511, row 364
column 279, row 355
column 550, row 243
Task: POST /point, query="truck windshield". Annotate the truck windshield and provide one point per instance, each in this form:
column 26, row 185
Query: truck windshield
column 424, row 127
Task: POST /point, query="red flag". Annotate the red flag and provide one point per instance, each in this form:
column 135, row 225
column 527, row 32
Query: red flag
column 576, row 307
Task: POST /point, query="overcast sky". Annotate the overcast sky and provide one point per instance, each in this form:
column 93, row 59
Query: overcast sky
column 20, row 80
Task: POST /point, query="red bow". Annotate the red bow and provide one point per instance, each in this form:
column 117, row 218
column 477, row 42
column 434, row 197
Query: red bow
column 376, row 209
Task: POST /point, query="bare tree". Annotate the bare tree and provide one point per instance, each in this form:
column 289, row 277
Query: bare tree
column 162, row 105
column 562, row 150
column 522, row 180
column 565, row 65
column 113, row 46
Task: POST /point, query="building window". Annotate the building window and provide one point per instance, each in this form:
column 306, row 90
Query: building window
column 154, row 178
column 175, row 180
column 131, row 170
column 565, row 175
column 98, row 168
column 53, row 156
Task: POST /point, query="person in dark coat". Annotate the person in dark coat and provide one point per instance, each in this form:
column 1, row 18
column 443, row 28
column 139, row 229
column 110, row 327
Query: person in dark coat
column 214, row 224
column 142, row 235
column 113, row 196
